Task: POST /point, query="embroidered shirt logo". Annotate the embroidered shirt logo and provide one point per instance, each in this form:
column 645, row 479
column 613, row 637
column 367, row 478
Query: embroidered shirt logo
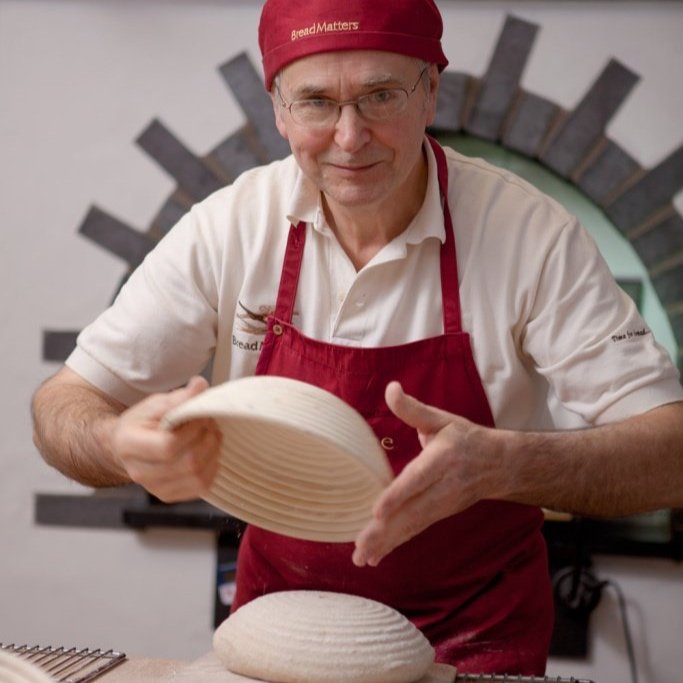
column 254, row 322
column 630, row 335
column 325, row 27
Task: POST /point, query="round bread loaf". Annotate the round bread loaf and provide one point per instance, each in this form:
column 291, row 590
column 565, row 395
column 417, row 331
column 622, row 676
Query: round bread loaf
column 319, row 637
column 14, row 669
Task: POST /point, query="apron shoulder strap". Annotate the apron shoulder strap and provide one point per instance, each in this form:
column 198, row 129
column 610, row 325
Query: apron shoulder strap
column 289, row 278
column 450, row 288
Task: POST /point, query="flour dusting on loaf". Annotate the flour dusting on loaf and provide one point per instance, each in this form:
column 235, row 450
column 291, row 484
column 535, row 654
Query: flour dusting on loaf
column 320, row 637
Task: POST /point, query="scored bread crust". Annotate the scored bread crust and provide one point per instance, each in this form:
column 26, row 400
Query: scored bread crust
column 322, row 637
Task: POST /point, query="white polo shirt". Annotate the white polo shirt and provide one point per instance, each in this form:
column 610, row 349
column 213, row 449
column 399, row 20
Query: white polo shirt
column 556, row 342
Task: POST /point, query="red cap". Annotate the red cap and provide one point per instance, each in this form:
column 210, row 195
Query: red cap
column 291, row 29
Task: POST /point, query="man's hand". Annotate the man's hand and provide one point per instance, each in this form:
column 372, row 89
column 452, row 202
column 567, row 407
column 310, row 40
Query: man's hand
column 173, row 465
column 94, row 439
column 451, row 473
column 623, row 468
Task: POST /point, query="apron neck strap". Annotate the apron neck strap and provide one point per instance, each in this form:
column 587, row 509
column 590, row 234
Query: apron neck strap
column 450, row 290
column 450, row 295
column 291, row 267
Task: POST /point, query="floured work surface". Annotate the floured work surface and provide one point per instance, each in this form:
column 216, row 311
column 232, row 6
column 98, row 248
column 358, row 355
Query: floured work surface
column 209, row 669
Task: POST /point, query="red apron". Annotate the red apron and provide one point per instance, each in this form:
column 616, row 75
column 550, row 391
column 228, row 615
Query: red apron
column 475, row 583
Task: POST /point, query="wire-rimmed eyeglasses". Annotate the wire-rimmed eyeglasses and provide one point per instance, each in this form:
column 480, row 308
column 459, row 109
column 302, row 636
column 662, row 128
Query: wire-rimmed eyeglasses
column 323, row 112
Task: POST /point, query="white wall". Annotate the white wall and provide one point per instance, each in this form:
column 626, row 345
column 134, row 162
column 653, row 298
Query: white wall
column 79, row 80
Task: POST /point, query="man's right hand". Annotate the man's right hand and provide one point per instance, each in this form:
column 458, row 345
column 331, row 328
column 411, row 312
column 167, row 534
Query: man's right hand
column 173, row 465
column 92, row 438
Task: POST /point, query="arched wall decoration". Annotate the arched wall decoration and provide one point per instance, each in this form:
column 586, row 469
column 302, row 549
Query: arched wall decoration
column 572, row 144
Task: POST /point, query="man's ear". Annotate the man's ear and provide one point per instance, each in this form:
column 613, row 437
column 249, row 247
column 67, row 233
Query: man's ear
column 434, row 81
column 279, row 110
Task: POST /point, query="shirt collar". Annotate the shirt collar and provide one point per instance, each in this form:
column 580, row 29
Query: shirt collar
column 305, row 205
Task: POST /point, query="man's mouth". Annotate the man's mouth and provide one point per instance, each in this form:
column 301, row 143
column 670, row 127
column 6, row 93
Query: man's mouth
column 353, row 167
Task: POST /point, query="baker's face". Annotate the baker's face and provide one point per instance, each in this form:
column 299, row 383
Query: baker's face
column 358, row 163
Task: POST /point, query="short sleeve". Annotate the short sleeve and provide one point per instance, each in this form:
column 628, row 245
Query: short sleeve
column 161, row 329
column 585, row 335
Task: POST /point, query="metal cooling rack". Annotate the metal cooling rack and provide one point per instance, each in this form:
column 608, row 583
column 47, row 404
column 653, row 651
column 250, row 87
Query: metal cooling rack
column 68, row 665
column 490, row 678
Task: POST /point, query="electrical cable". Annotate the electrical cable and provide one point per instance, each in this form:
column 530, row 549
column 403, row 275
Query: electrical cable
column 627, row 631
column 577, row 589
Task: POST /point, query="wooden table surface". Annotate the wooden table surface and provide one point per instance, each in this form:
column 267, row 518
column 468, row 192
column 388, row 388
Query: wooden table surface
column 140, row 670
column 208, row 669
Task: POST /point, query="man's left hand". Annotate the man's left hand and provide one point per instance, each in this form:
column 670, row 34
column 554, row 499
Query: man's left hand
column 454, row 470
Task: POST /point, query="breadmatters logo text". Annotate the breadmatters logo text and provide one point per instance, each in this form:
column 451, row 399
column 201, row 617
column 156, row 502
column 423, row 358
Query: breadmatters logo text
column 325, row 27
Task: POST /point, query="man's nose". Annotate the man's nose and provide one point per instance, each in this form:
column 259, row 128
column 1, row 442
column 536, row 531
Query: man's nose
column 351, row 130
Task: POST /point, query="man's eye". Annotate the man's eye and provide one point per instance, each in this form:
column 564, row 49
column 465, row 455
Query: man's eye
column 382, row 96
column 315, row 104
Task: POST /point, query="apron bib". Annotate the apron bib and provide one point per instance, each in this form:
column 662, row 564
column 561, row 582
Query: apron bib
column 475, row 583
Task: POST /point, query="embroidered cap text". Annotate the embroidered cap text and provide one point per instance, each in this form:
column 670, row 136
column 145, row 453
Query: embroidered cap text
column 325, row 27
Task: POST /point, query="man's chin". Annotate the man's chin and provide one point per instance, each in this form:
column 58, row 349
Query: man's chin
column 354, row 198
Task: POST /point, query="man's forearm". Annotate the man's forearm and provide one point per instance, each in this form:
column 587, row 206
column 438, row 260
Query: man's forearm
column 72, row 427
column 619, row 469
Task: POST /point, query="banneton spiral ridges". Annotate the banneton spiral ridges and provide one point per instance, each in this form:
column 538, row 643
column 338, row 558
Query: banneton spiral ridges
column 322, row 637
column 295, row 459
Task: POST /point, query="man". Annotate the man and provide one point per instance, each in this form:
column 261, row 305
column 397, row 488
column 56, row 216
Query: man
column 338, row 266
